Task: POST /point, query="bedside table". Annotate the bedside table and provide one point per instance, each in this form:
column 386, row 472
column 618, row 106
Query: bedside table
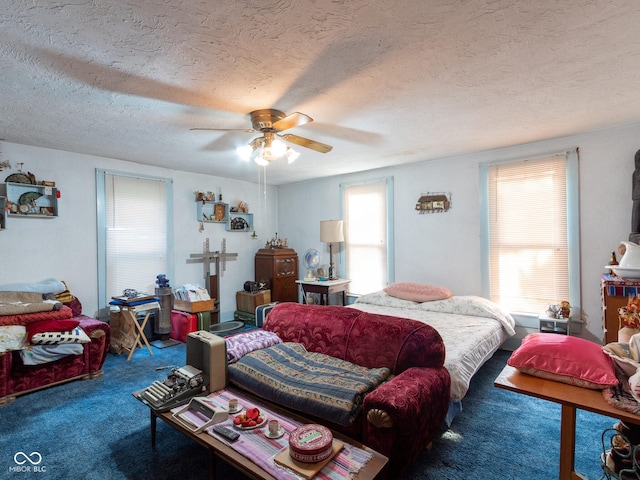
column 325, row 289
column 548, row 324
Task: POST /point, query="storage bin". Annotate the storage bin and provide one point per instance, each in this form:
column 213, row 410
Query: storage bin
column 193, row 307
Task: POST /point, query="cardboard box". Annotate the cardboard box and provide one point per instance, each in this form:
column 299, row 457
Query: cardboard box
column 121, row 340
column 247, row 302
column 193, row 307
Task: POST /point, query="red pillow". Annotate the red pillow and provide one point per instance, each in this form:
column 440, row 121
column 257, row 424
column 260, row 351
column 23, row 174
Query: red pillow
column 51, row 326
column 565, row 359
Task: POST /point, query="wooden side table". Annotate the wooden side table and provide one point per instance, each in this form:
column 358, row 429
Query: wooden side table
column 571, row 398
column 615, row 294
column 325, row 289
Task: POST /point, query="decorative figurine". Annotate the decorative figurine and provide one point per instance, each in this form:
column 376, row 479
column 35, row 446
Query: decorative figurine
column 162, row 281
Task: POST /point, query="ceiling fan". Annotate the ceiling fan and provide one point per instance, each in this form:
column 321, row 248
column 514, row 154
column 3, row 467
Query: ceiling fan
column 272, row 144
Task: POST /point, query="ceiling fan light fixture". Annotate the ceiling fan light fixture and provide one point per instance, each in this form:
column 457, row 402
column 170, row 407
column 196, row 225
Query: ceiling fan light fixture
column 261, row 161
column 273, row 147
column 292, row 155
column 245, row 151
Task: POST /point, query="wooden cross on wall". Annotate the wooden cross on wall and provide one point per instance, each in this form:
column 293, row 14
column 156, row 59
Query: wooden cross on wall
column 207, row 258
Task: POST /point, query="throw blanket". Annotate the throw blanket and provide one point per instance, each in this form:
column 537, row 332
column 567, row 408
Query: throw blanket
column 17, row 303
column 26, row 318
column 243, row 343
column 49, row 285
column 314, row 383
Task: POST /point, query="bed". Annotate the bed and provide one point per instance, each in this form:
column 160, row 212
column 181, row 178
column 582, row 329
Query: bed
column 472, row 329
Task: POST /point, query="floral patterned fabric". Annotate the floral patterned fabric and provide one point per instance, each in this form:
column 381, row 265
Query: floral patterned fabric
column 415, row 400
column 12, row 337
column 472, row 328
column 242, row 343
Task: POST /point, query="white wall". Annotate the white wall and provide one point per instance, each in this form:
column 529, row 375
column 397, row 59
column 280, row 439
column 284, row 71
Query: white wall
column 441, row 248
column 65, row 247
column 444, row 249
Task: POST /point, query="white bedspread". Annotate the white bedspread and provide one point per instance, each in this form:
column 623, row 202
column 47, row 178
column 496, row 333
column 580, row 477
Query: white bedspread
column 472, row 329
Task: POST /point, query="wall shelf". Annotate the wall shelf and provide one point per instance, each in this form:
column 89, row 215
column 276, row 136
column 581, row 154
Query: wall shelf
column 30, row 201
column 212, row 212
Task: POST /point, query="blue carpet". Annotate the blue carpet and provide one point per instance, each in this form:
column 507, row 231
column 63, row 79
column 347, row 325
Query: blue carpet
column 96, row 430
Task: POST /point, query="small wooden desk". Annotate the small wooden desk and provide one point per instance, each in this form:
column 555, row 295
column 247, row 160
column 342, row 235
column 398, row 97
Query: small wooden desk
column 325, row 288
column 570, row 398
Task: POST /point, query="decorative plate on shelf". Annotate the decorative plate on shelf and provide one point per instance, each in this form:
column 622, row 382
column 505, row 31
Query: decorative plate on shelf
column 19, row 178
column 27, row 197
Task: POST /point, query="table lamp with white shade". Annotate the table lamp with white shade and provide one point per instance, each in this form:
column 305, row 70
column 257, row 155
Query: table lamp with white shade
column 331, row 232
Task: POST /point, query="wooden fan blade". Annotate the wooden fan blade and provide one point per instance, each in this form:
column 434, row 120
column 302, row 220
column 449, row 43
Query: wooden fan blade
column 247, row 130
column 296, row 119
column 305, row 142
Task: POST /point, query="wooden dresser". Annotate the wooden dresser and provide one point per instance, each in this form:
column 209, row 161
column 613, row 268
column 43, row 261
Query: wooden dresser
column 615, row 294
column 280, row 267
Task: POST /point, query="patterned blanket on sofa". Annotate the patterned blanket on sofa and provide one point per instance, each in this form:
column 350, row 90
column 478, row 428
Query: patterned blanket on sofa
column 288, row 375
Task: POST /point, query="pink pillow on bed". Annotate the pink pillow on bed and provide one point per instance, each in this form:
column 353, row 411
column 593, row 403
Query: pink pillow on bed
column 565, row 359
column 417, row 292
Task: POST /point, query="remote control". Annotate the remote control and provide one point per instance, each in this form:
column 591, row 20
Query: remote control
column 226, row 432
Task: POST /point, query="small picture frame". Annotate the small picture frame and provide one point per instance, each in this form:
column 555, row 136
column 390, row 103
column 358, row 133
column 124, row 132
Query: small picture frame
column 219, row 212
column 48, row 211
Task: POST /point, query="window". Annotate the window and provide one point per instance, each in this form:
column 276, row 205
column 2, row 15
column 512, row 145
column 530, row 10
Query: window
column 368, row 217
column 134, row 233
column 530, row 233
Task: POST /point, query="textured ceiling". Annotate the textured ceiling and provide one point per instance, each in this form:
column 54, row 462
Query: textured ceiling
column 386, row 82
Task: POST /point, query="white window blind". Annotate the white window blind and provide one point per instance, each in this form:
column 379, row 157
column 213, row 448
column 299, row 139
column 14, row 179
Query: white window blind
column 136, row 233
column 366, row 220
column 528, row 233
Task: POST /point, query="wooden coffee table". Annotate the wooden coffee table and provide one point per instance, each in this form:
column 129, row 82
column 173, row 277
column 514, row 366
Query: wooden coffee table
column 218, row 449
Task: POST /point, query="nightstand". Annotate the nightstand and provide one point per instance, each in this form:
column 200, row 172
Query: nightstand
column 325, row 288
column 548, row 324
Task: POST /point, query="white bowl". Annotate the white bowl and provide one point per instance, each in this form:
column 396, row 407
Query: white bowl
column 627, row 273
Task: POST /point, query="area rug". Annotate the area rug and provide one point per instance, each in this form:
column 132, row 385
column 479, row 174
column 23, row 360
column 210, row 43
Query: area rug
column 97, row 430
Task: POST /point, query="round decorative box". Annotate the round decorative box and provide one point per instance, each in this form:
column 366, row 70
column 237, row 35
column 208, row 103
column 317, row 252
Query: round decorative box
column 310, row 443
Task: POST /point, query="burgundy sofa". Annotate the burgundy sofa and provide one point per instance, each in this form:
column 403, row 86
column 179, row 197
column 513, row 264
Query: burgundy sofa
column 18, row 379
column 401, row 417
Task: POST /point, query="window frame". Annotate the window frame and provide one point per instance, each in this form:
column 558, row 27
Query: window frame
column 101, row 215
column 389, row 214
column 573, row 231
